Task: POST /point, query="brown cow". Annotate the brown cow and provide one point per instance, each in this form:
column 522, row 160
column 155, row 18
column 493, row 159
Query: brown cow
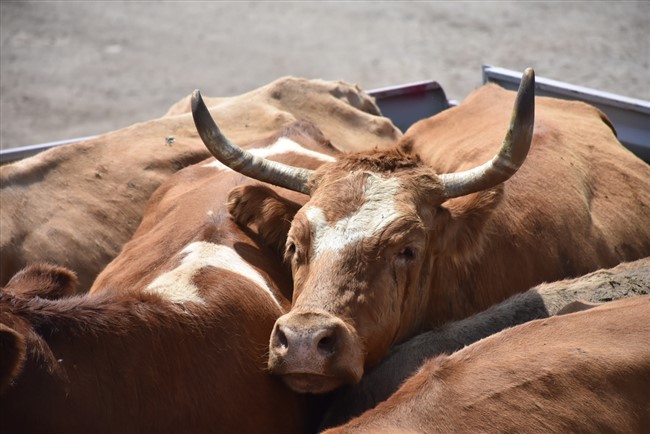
column 204, row 295
column 76, row 205
column 398, row 241
column 547, row 299
column 584, row 372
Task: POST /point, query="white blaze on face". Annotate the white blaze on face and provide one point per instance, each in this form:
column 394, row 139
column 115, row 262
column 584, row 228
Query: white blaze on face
column 177, row 285
column 376, row 213
column 282, row 146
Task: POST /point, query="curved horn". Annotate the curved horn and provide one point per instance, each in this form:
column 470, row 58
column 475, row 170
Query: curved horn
column 242, row 161
column 513, row 151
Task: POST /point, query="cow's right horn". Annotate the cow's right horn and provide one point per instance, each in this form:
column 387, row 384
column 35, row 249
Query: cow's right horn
column 242, row 161
column 513, row 151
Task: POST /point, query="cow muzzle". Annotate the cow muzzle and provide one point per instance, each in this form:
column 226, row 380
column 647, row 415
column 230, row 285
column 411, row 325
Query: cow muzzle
column 315, row 352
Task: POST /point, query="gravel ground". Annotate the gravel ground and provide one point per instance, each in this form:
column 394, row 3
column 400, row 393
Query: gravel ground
column 71, row 69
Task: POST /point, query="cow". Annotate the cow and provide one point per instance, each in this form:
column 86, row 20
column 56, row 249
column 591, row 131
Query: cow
column 397, row 241
column 76, row 205
column 628, row 279
column 583, row 372
column 172, row 335
column 134, row 361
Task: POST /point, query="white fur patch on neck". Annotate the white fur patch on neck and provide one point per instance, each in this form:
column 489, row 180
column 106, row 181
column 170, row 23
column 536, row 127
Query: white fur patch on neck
column 282, row 146
column 376, row 213
column 177, row 285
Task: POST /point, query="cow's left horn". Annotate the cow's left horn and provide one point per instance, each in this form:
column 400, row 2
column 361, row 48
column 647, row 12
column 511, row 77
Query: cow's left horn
column 513, row 151
column 242, row 161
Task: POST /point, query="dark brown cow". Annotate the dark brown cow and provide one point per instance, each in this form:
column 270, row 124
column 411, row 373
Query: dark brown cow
column 133, row 362
column 398, row 241
column 547, row 299
column 587, row 372
column 76, row 205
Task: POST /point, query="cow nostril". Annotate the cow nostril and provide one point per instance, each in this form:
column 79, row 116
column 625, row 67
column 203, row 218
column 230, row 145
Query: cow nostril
column 327, row 344
column 282, row 339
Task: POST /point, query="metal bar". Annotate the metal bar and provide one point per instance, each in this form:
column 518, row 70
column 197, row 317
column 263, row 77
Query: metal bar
column 408, row 103
column 15, row 154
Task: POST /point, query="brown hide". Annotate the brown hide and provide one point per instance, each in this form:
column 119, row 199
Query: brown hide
column 76, row 205
column 583, row 372
column 379, row 255
column 129, row 362
column 628, row 279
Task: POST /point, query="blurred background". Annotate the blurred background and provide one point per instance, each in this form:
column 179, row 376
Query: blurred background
column 73, row 69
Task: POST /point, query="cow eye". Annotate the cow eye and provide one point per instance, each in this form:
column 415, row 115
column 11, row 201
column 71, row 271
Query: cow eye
column 406, row 254
column 291, row 249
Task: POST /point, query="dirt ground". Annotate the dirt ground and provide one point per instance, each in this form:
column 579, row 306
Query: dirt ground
column 72, row 69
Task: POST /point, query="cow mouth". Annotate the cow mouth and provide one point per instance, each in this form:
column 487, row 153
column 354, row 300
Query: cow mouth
column 311, row 383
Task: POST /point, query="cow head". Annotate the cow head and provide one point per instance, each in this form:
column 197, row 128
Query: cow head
column 360, row 248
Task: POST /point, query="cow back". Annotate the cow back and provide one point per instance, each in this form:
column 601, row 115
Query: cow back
column 583, row 372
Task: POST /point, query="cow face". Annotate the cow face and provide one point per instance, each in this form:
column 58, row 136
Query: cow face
column 359, row 248
column 356, row 250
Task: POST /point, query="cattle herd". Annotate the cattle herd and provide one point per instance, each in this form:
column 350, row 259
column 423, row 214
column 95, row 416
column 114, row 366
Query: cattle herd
column 288, row 261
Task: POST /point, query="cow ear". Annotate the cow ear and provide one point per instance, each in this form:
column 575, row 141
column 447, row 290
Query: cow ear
column 264, row 211
column 43, row 280
column 459, row 222
column 12, row 355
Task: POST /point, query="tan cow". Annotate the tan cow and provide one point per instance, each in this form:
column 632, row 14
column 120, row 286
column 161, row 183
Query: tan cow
column 587, row 372
column 76, row 205
column 628, row 279
column 397, row 241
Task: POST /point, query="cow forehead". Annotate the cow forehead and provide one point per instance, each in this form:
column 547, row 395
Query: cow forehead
column 178, row 286
column 377, row 211
column 283, row 145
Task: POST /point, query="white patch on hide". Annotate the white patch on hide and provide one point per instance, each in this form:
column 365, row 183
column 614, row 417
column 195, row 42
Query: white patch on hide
column 282, row 146
column 376, row 213
column 177, row 285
